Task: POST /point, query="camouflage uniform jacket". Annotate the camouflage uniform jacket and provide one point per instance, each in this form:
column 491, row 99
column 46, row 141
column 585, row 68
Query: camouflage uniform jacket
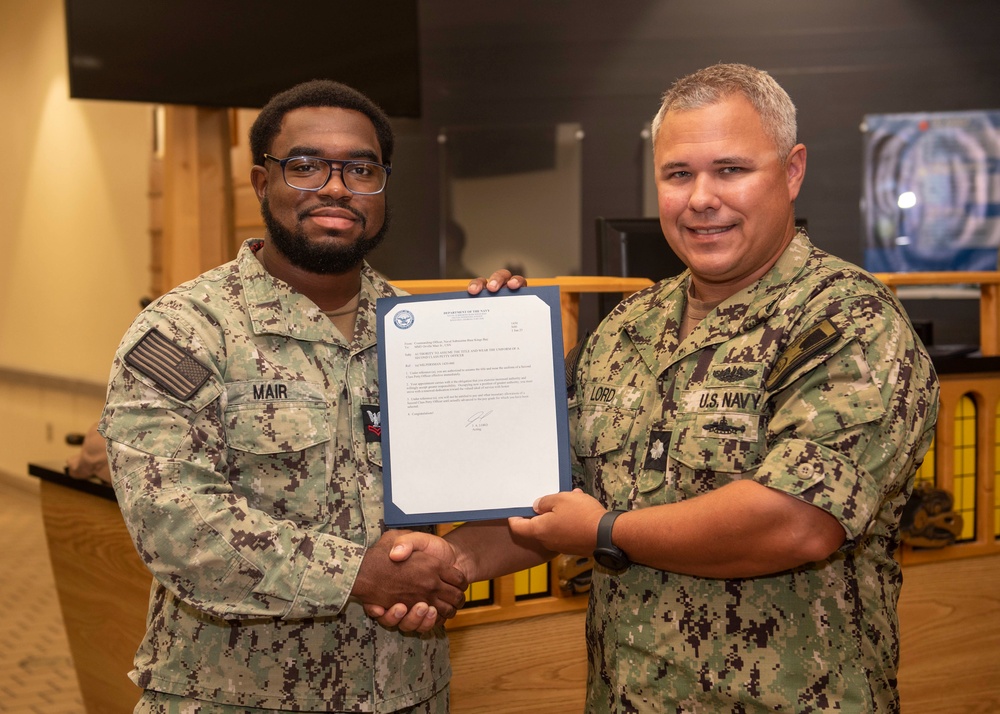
column 252, row 500
column 811, row 382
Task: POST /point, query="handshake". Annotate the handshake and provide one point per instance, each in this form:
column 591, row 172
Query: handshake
column 410, row 580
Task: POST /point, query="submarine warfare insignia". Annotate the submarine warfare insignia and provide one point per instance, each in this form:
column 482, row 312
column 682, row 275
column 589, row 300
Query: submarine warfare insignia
column 723, row 426
column 733, row 374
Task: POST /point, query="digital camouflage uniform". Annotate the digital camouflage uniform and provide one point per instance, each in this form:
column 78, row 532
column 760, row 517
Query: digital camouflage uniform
column 811, row 382
column 244, row 442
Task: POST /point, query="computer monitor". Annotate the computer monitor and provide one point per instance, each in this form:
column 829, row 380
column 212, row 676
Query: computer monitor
column 633, row 248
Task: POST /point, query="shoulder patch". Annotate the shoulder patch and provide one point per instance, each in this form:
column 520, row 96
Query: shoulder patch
column 170, row 366
column 803, row 347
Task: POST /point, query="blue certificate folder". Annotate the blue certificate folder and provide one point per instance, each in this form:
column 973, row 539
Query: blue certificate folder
column 472, row 416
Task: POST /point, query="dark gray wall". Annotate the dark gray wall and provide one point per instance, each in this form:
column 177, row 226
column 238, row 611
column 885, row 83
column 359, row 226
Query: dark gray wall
column 605, row 65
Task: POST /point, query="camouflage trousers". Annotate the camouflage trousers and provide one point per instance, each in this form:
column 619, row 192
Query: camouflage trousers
column 160, row 703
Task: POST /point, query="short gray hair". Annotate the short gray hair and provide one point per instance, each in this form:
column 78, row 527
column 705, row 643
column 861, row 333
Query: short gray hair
column 720, row 81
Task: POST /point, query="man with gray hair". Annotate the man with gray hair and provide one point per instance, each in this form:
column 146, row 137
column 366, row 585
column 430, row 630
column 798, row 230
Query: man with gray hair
column 745, row 434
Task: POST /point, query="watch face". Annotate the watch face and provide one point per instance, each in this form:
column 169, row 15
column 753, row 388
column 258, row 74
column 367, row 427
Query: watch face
column 611, row 558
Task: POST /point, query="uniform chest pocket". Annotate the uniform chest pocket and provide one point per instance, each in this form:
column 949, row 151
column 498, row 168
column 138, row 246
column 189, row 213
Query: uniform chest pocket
column 601, row 430
column 725, row 444
column 279, row 452
column 277, row 429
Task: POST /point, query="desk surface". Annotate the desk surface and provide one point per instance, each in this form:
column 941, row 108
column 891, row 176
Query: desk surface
column 57, row 475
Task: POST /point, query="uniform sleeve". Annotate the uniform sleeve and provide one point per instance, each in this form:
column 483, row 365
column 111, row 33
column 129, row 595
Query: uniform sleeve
column 852, row 421
column 186, row 508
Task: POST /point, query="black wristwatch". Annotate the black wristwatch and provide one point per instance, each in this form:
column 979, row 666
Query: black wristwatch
column 607, row 554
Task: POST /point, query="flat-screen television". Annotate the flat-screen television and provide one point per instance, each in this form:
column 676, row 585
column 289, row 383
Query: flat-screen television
column 633, row 248
column 239, row 53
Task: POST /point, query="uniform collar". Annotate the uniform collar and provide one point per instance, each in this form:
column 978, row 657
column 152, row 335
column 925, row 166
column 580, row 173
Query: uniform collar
column 654, row 329
column 276, row 308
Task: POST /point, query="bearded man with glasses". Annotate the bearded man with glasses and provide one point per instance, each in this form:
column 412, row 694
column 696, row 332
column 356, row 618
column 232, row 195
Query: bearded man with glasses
column 237, row 426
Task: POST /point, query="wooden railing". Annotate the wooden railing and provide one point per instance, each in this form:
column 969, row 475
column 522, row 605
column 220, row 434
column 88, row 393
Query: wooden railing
column 570, row 289
column 989, row 298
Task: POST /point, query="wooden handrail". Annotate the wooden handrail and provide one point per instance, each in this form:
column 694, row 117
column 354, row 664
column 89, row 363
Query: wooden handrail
column 989, row 298
column 570, row 289
column 957, row 277
column 572, row 286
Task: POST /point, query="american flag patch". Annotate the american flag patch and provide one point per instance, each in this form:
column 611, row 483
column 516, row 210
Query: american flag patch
column 170, row 366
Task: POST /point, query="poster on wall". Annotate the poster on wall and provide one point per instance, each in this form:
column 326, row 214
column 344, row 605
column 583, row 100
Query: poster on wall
column 931, row 191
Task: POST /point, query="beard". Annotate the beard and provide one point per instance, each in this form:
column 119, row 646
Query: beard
column 321, row 259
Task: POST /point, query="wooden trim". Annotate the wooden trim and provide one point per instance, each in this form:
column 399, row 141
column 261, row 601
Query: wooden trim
column 506, row 608
column 70, row 385
column 989, row 298
column 984, row 389
column 197, row 193
column 569, row 283
column 570, row 288
column 957, row 277
column 989, row 319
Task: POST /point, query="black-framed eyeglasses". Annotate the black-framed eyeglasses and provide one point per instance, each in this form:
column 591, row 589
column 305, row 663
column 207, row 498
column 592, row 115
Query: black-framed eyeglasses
column 311, row 173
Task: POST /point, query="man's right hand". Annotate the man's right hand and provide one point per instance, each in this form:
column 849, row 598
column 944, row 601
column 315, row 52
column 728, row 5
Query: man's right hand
column 481, row 550
column 420, row 617
column 427, row 579
column 499, row 279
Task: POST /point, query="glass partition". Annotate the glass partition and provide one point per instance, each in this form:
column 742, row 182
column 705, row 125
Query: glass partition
column 510, row 197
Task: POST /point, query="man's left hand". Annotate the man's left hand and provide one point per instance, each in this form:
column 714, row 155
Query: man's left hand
column 566, row 522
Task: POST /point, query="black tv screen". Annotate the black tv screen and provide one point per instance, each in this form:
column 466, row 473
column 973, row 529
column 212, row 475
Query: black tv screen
column 238, row 53
column 633, row 248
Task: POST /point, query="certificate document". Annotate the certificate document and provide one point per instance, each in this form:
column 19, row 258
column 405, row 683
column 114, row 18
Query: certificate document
column 473, row 412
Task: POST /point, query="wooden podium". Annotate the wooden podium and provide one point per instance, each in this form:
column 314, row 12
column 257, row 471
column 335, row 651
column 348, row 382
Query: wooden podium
column 102, row 584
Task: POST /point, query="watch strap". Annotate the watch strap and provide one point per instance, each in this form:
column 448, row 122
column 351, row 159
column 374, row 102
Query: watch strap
column 604, row 527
